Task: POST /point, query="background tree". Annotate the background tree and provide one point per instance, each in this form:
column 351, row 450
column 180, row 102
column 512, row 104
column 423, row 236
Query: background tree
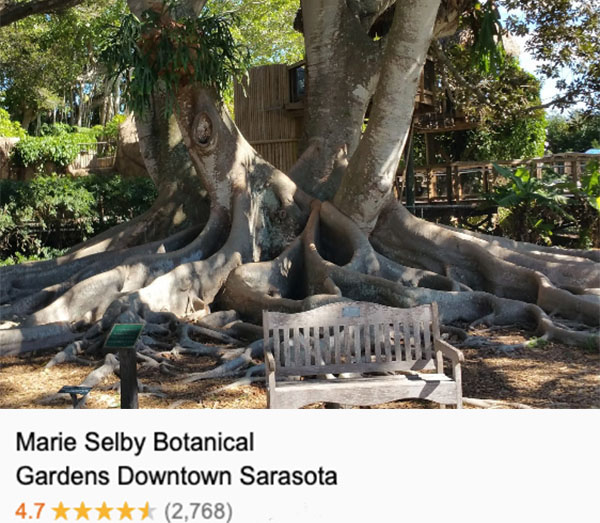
column 575, row 133
column 49, row 65
column 330, row 229
column 563, row 37
column 11, row 10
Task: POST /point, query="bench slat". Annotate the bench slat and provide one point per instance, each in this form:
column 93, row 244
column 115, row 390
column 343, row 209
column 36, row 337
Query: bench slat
column 307, row 345
column 397, row 342
column 387, row 334
column 417, row 336
column 314, row 370
column 427, row 340
column 357, row 345
column 407, row 344
column 286, row 347
column 367, row 354
column 379, row 333
column 276, row 344
column 336, row 344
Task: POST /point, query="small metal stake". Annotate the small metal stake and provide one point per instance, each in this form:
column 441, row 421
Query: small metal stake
column 128, row 371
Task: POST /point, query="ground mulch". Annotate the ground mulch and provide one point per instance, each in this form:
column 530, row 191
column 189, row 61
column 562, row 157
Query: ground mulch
column 547, row 376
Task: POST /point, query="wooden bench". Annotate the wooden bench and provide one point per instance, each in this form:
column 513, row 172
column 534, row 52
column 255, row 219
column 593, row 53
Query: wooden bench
column 371, row 354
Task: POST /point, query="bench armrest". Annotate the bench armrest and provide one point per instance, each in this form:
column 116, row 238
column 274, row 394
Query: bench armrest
column 270, row 369
column 448, row 351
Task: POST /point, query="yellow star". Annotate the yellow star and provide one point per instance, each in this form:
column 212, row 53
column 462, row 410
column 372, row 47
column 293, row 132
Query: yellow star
column 104, row 511
column 61, row 511
column 82, row 511
column 126, row 511
column 145, row 510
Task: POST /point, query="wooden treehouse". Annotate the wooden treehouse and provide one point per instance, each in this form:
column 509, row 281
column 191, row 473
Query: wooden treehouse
column 269, row 110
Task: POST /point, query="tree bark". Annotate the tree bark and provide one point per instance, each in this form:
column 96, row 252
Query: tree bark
column 342, row 64
column 369, row 180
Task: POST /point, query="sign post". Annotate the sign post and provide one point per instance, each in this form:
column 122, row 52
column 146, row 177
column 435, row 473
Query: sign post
column 124, row 336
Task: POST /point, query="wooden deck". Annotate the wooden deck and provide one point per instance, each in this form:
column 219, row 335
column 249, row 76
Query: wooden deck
column 459, row 188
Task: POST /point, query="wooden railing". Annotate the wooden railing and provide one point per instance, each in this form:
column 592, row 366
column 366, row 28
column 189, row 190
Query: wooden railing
column 456, row 182
column 95, row 156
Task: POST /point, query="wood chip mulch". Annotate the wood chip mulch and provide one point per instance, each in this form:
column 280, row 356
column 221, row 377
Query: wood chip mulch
column 547, row 376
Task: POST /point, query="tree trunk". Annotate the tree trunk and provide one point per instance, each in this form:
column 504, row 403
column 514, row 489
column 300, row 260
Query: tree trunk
column 369, row 180
column 268, row 244
column 342, row 66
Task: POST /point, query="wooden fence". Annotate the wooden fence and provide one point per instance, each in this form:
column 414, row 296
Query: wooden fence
column 98, row 156
column 263, row 116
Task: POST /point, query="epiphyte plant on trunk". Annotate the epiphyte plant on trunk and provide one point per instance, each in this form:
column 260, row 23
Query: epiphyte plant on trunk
column 330, row 229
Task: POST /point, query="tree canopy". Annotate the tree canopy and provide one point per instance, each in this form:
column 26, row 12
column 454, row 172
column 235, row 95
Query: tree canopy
column 564, row 37
column 577, row 132
column 50, row 63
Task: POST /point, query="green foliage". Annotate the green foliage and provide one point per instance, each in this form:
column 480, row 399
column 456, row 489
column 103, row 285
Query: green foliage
column 61, row 143
column 9, row 128
column 265, row 28
column 42, row 57
column 111, row 129
column 119, row 199
column 33, row 214
column 536, row 206
column 163, row 50
column 509, row 140
column 534, row 209
column 536, row 343
column 576, row 133
column 585, row 205
column 56, row 129
column 505, row 131
column 37, row 150
column 487, row 53
column 563, row 36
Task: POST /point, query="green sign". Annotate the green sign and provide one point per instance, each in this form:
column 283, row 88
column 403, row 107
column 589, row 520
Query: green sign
column 123, row 335
column 74, row 390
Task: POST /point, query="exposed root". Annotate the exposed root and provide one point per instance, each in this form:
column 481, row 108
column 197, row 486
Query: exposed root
column 186, row 329
column 26, row 279
column 488, row 263
column 21, row 340
column 110, row 366
column 71, row 354
column 348, row 267
column 225, row 370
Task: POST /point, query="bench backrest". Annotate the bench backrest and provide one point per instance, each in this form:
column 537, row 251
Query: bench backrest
column 351, row 337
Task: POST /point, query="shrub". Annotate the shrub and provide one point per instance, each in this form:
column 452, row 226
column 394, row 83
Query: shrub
column 34, row 215
column 8, row 128
column 38, row 150
column 534, row 209
column 111, row 130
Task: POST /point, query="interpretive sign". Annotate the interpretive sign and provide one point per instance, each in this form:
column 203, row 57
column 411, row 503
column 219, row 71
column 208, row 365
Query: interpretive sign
column 123, row 335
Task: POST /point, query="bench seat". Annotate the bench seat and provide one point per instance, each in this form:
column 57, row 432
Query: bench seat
column 365, row 391
column 358, row 353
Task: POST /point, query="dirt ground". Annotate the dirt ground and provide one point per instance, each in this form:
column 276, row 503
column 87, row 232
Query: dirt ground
column 545, row 376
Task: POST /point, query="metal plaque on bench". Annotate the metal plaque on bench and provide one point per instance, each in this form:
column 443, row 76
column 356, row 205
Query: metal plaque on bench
column 123, row 335
column 351, row 312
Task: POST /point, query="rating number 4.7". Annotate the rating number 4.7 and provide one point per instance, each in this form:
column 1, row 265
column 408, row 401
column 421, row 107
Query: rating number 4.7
column 21, row 511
